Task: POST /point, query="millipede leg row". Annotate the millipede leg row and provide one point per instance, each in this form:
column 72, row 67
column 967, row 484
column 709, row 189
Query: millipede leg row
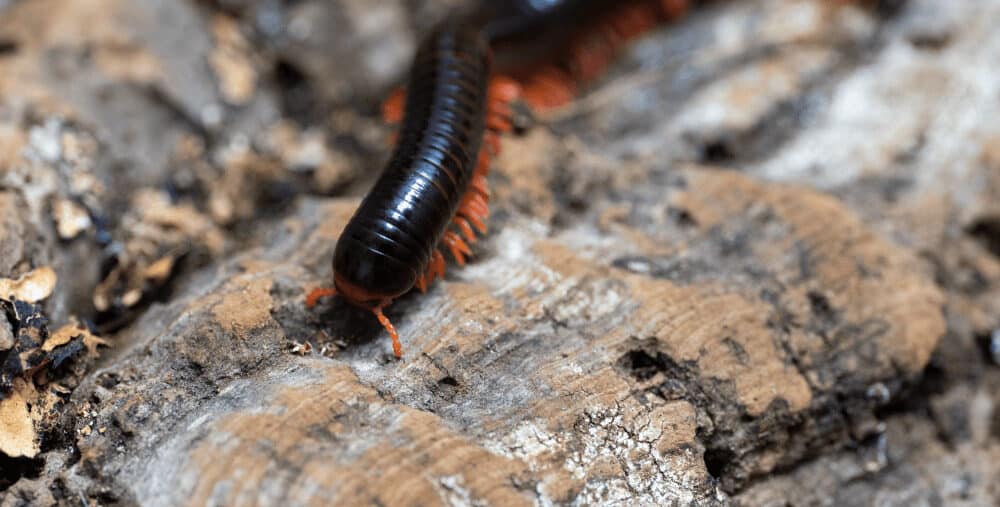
column 473, row 211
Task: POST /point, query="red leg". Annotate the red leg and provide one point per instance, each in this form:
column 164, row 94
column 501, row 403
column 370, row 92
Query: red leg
column 492, row 142
column 483, row 165
column 392, row 108
column 435, row 270
column 456, row 246
column 498, row 123
column 480, row 186
column 500, row 107
column 315, row 295
column 397, row 348
column 474, row 205
column 504, row 89
column 437, row 264
column 549, row 88
column 465, row 228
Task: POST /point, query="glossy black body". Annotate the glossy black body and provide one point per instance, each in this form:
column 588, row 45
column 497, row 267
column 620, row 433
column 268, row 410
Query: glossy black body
column 390, row 239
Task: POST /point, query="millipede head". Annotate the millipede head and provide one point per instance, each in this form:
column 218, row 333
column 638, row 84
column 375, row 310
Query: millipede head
column 362, row 276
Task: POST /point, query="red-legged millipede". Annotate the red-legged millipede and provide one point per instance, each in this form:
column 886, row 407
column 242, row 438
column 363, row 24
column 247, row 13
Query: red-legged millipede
column 435, row 179
column 432, row 193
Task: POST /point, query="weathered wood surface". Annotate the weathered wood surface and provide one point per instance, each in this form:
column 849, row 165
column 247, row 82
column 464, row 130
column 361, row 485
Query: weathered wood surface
column 758, row 264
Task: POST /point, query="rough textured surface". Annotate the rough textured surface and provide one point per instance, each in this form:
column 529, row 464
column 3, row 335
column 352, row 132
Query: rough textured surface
column 757, row 264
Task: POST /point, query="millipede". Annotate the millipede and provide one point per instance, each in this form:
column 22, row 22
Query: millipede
column 432, row 194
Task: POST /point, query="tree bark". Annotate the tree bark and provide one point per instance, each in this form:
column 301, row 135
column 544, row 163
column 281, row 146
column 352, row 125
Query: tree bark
column 758, row 263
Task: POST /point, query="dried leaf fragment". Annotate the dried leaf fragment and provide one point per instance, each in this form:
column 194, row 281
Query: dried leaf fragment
column 32, row 287
column 71, row 218
column 72, row 331
column 160, row 270
column 60, row 337
column 301, row 349
column 17, row 428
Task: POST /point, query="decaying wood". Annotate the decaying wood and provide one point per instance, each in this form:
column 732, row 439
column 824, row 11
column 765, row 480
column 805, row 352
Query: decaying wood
column 757, row 264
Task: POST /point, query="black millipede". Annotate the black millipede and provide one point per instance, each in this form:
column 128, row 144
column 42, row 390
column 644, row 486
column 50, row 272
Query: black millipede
column 433, row 189
column 432, row 194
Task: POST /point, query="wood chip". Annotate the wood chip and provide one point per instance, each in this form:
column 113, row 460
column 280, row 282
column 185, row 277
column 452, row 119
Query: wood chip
column 33, row 287
column 71, row 218
column 17, row 428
